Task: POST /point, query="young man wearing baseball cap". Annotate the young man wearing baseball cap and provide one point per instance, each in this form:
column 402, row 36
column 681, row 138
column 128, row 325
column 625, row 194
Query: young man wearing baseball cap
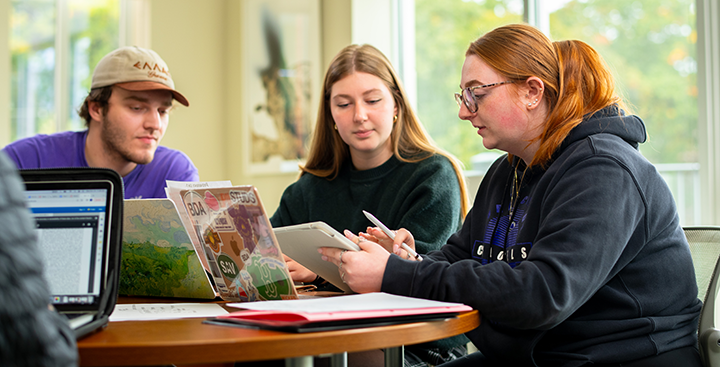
column 126, row 113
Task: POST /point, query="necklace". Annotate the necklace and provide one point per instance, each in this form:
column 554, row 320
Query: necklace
column 514, row 194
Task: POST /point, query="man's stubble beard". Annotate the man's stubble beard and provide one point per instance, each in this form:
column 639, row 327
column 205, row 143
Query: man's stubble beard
column 115, row 144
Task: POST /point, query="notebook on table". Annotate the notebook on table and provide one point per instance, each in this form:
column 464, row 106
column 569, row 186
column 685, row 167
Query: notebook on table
column 78, row 215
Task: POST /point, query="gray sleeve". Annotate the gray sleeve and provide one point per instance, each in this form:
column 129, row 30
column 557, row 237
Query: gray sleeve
column 31, row 334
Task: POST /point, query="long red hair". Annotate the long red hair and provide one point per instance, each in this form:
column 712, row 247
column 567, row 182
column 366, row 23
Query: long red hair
column 577, row 80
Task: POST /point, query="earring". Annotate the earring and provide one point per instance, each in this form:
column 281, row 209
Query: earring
column 335, row 126
column 395, row 118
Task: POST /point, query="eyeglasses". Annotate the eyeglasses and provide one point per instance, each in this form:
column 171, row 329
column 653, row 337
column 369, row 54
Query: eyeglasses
column 468, row 95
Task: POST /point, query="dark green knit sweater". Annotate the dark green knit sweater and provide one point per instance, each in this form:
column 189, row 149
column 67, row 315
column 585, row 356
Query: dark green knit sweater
column 423, row 198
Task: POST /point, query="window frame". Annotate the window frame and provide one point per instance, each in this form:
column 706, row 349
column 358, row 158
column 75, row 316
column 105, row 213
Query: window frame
column 708, row 74
column 134, row 29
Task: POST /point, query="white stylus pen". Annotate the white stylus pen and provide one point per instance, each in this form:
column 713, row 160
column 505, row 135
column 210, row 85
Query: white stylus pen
column 391, row 234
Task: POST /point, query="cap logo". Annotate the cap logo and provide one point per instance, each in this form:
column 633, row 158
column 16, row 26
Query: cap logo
column 152, row 73
column 147, row 66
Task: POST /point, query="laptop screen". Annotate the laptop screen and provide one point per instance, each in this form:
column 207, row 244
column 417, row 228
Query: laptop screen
column 72, row 226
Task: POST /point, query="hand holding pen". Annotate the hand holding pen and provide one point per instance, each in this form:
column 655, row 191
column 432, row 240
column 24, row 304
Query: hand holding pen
column 391, row 234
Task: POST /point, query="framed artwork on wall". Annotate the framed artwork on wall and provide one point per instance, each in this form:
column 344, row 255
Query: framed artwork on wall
column 281, row 82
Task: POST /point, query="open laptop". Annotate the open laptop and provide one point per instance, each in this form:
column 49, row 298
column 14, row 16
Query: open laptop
column 159, row 259
column 78, row 214
column 227, row 232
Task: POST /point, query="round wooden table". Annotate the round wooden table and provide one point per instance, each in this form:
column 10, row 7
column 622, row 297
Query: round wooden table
column 190, row 341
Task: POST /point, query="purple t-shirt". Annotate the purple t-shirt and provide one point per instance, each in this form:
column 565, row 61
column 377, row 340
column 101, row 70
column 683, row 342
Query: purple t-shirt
column 67, row 149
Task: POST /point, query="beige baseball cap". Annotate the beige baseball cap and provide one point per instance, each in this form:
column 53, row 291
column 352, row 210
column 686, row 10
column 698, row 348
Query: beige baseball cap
column 135, row 68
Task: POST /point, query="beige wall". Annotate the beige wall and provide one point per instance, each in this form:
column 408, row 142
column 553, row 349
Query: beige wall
column 190, row 38
column 201, row 42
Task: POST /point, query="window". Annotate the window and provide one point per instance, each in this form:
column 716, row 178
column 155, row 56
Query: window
column 649, row 44
column 55, row 45
column 443, row 31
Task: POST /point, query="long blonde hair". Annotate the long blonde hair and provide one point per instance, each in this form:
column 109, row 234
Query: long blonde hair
column 577, row 81
column 409, row 140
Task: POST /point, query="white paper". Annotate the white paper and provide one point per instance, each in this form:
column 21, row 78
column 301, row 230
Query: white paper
column 164, row 311
column 353, row 302
column 187, row 185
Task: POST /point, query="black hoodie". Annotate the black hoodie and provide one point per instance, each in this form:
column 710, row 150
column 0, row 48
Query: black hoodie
column 593, row 268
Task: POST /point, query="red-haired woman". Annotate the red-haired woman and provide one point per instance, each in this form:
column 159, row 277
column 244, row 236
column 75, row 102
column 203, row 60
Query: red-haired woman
column 573, row 251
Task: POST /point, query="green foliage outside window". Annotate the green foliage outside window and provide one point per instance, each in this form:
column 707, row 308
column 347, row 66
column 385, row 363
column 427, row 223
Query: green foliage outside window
column 443, row 32
column 86, row 31
column 651, row 46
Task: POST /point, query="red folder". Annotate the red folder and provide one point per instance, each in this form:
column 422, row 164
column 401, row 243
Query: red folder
column 305, row 321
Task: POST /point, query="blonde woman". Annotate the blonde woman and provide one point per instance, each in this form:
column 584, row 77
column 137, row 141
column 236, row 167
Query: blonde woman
column 370, row 152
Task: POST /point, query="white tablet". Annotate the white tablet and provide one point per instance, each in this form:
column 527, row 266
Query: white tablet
column 300, row 242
